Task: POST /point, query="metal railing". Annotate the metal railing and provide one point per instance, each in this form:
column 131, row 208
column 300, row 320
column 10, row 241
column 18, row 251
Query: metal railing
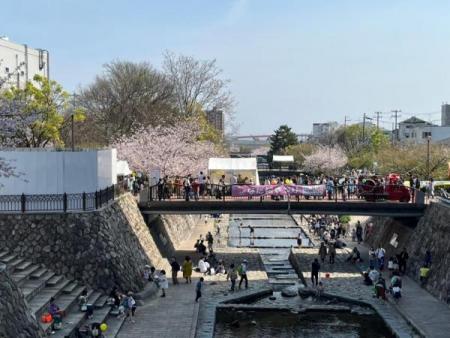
column 224, row 192
column 58, row 202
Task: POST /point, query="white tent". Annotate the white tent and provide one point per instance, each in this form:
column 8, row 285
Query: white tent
column 283, row 158
column 122, row 168
column 246, row 167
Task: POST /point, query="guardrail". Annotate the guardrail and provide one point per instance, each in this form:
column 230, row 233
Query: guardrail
column 336, row 193
column 58, row 202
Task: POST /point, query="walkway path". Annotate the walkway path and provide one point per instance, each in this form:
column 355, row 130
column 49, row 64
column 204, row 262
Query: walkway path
column 174, row 316
column 430, row 316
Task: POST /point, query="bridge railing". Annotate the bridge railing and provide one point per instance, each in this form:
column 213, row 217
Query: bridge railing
column 58, row 202
column 256, row 193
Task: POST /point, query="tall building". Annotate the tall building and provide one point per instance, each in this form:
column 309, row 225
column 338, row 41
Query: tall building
column 216, row 119
column 445, row 115
column 323, row 129
column 20, row 63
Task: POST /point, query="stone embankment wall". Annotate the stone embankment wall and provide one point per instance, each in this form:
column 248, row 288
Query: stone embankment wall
column 170, row 230
column 431, row 233
column 15, row 318
column 103, row 248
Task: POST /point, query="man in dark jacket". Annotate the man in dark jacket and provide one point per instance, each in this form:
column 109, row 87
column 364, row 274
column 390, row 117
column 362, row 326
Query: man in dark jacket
column 175, row 268
column 315, row 268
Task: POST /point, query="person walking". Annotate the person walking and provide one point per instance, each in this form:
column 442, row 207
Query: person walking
column 232, row 276
column 315, row 268
column 402, row 260
column 210, row 240
column 243, row 273
column 163, row 282
column 332, row 251
column 198, row 289
column 175, row 268
column 322, row 252
column 380, row 252
column 187, row 187
column 359, row 232
column 187, row 269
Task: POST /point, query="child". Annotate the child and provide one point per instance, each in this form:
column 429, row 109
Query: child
column 319, row 291
column 198, row 289
column 232, row 275
column 163, row 282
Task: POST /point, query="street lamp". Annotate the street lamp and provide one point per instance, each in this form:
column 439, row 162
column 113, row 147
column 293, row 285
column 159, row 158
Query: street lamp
column 72, row 134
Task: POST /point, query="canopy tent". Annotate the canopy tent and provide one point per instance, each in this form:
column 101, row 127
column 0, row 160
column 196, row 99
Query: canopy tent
column 122, row 168
column 246, row 167
column 283, row 158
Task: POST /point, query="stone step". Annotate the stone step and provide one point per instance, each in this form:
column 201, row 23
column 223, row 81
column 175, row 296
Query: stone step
column 41, row 300
column 286, row 276
column 21, row 276
column 24, row 265
column 70, row 287
column 3, row 254
column 7, row 259
column 114, row 325
column 39, row 273
column 280, row 272
column 54, row 280
column 66, row 302
column 101, row 301
column 281, row 282
column 15, row 262
column 32, row 286
column 73, row 319
column 77, row 319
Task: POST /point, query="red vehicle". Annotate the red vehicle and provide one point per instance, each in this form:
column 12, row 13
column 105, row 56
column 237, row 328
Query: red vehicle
column 392, row 189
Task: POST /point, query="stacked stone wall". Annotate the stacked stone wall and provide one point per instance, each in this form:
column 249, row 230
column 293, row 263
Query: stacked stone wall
column 104, row 248
column 15, row 317
column 431, row 233
column 170, row 230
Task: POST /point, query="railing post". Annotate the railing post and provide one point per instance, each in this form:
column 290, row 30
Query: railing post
column 23, row 201
column 223, row 192
column 65, row 202
column 84, row 201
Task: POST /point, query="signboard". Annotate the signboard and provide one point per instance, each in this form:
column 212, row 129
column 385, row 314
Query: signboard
column 277, row 190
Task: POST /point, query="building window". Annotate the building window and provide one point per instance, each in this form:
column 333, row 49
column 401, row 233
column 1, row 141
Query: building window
column 426, row 134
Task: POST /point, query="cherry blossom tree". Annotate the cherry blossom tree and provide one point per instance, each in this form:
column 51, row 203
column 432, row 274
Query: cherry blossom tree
column 325, row 159
column 175, row 150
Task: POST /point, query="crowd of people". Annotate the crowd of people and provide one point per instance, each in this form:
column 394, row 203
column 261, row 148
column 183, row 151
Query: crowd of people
column 333, row 234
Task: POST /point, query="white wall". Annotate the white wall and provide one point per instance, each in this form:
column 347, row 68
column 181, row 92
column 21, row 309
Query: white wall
column 56, row 172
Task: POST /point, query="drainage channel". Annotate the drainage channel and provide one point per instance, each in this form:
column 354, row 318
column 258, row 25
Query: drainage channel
column 274, row 237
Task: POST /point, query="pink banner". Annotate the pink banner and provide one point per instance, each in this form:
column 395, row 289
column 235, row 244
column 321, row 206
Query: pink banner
column 277, row 190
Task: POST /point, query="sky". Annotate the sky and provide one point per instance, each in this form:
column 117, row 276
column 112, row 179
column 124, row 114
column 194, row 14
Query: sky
column 290, row 62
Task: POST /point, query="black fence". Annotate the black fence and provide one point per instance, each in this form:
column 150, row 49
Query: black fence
column 337, row 193
column 58, row 202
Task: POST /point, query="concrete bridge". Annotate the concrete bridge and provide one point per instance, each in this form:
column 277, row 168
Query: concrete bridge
column 387, row 209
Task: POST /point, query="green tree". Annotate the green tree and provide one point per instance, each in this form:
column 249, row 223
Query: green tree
column 281, row 139
column 35, row 115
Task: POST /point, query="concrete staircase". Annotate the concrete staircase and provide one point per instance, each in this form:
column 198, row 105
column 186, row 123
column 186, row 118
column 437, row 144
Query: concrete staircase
column 278, row 268
column 39, row 284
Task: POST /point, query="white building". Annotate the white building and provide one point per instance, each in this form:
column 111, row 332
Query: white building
column 417, row 131
column 19, row 63
column 323, row 129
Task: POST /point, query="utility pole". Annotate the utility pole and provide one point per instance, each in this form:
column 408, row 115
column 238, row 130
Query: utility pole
column 72, row 134
column 365, row 117
column 428, row 157
column 378, row 113
column 396, row 116
column 345, row 120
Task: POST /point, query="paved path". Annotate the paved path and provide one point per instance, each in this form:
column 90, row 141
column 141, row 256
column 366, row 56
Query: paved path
column 174, row 316
column 429, row 315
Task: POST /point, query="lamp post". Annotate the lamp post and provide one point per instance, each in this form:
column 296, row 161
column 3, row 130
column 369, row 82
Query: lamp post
column 428, row 156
